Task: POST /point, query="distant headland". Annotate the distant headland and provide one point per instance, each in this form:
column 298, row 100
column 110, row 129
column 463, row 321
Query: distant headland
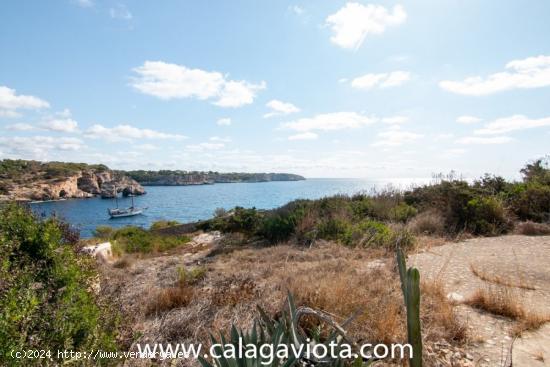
column 27, row 180
column 182, row 178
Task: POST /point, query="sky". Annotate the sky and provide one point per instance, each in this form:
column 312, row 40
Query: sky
column 360, row 89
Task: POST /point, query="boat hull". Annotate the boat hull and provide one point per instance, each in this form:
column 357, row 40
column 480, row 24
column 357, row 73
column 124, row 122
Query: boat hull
column 122, row 214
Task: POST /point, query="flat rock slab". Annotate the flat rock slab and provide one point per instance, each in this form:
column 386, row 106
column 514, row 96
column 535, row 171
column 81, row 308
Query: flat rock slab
column 520, row 259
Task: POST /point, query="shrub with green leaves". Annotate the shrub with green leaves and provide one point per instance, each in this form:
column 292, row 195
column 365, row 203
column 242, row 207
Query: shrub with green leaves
column 277, row 228
column 531, row 201
column 371, row 233
column 402, row 212
column 45, row 297
column 486, row 216
column 161, row 224
column 138, row 240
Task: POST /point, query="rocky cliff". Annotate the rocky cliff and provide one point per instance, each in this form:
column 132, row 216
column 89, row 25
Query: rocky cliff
column 36, row 181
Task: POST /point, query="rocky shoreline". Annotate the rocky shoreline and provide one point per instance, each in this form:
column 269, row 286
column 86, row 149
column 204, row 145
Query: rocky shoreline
column 81, row 184
column 22, row 180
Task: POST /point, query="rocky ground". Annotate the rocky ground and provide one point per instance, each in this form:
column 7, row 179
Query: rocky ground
column 237, row 280
column 521, row 260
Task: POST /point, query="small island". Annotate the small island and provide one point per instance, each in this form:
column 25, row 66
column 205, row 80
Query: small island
column 27, row 180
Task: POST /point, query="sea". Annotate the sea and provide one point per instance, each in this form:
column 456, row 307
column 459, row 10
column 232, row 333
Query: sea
column 192, row 203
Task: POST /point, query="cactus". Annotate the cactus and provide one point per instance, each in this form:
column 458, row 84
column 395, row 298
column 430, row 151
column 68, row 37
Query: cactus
column 283, row 330
column 410, row 285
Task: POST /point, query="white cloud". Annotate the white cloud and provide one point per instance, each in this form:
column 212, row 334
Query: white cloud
column 146, row 147
column 85, row 3
column 395, row 137
column 20, row 127
column 304, row 136
column 238, row 93
column 330, row 121
column 466, row 119
column 382, row 80
column 479, row 140
column 296, row 9
column 10, row 102
column 169, row 81
column 395, row 120
column 225, row 121
column 451, row 153
column 204, row 147
column 532, row 72
column 38, row 147
column 352, row 23
column 512, row 123
column 220, row 139
column 66, row 125
column 127, row 132
column 279, row 108
column 442, row 136
column 9, row 113
column 120, row 11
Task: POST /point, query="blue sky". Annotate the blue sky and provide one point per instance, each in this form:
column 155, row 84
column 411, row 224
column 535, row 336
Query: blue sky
column 324, row 89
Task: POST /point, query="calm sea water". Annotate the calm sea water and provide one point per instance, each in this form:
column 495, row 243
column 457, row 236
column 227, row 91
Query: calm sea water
column 192, row 203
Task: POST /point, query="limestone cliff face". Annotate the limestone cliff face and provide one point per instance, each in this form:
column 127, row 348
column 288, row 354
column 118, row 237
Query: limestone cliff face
column 83, row 184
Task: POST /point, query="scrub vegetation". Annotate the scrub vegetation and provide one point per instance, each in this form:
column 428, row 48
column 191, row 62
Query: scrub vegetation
column 47, row 298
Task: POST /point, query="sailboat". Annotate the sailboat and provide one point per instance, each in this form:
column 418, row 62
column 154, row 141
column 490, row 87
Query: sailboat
column 124, row 212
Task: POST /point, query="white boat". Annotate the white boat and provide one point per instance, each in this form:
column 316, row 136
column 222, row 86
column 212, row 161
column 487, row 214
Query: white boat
column 128, row 212
column 124, row 212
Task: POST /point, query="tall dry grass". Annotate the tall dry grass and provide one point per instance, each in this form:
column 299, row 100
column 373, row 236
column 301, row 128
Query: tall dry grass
column 502, row 280
column 329, row 277
column 503, row 300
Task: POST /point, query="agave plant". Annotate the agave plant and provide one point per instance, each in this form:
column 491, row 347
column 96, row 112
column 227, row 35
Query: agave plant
column 282, row 333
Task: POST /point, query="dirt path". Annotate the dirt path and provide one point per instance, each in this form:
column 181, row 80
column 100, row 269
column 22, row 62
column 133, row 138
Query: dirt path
column 520, row 260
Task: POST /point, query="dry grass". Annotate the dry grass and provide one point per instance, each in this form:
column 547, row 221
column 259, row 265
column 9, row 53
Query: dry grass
column 123, row 262
column 427, row 223
column 500, row 280
column 439, row 315
column 539, row 356
column 531, row 321
column 169, row 298
column 532, row 229
column 500, row 301
column 329, row 277
column 342, row 291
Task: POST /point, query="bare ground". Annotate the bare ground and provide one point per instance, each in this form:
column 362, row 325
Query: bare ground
column 332, row 277
column 523, row 262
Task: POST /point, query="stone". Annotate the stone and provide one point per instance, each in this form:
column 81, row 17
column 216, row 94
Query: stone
column 455, row 297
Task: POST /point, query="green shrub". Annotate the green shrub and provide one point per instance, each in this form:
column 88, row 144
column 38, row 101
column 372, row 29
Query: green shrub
column 134, row 239
column 277, row 228
column 192, row 276
column 332, row 229
column 161, row 224
column 402, row 212
column 237, row 220
column 464, row 207
column 104, row 232
column 361, row 207
column 138, row 240
column 486, row 216
column 537, row 171
column 531, row 202
column 45, row 297
column 372, row 233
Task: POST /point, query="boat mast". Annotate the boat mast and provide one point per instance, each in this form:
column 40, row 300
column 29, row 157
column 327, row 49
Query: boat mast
column 116, row 197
